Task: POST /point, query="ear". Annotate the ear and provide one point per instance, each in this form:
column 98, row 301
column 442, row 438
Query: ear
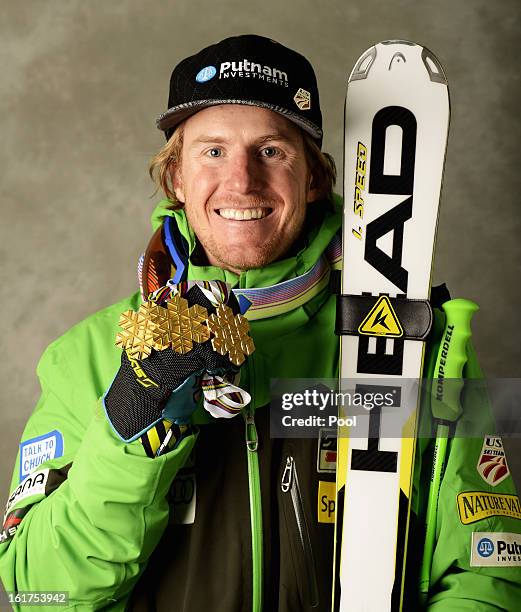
column 177, row 182
column 314, row 190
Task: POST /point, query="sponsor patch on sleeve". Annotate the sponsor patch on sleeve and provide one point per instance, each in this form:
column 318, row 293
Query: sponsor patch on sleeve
column 34, row 484
column 492, row 463
column 478, row 505
column 35, row 451
column 495, row 549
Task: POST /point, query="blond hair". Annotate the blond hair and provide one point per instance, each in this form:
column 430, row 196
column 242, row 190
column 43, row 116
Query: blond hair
column 162, row 166
column 322, row 167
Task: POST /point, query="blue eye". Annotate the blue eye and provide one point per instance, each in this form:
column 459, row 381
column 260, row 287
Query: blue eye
column 270, row 151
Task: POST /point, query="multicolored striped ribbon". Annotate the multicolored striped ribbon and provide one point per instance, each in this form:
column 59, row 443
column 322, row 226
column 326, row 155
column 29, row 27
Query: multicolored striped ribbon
column 290, row 294
column 217, row 292
column 222, row 399
column 264, row 302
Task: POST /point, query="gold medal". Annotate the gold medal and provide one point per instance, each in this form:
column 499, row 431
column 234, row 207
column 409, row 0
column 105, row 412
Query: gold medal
column 178, row 326
column 136, row 337
column 230, row 334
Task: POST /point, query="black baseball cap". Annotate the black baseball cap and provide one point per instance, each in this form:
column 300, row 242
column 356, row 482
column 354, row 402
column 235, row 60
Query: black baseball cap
column 247, row 69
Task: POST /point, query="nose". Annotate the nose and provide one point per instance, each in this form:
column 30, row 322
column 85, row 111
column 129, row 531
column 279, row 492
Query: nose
column 242, row 173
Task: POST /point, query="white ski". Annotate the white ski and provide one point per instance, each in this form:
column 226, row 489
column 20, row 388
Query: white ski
column 396, row 126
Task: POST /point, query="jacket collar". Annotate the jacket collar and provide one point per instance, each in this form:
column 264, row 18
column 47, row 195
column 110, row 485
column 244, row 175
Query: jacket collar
column 322, row 223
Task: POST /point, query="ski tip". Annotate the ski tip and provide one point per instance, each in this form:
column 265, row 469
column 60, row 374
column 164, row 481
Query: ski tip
column 399, row 42
column 433, row 66
column 363, row 65
column 430, row 62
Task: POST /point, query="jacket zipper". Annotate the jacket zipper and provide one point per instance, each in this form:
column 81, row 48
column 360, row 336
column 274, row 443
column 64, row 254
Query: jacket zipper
column 255, row 507
column 289, row 484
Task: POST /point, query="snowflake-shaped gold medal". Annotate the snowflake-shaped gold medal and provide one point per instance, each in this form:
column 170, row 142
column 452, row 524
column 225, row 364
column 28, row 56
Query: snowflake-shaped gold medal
column 230, row 334
column 155, row 327
column 178, row 326
column 136, row 337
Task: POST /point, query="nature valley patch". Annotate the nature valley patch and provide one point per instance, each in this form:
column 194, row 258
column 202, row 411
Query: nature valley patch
column 475, row 506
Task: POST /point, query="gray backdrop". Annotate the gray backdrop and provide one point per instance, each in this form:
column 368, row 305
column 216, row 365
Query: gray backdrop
column 82, row 84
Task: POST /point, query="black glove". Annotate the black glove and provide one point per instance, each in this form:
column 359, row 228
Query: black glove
column 141, row 392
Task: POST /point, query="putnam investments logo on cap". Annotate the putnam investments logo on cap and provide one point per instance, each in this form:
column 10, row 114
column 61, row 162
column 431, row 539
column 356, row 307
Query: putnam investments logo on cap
column 244, row 68
column 248, row 69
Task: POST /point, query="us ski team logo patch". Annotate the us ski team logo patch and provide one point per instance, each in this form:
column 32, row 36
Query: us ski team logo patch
column 302, row 99
column 492, row 464
column 381, row 321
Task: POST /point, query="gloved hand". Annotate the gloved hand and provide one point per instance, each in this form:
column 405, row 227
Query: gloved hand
column 172, row 344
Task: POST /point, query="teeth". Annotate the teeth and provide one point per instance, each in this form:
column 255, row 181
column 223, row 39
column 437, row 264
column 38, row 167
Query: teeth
column 243, row 215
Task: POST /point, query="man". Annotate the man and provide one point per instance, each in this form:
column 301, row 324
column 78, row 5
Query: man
column 139, row 493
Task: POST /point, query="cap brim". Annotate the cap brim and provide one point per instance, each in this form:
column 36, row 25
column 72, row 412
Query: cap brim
column 176, row 114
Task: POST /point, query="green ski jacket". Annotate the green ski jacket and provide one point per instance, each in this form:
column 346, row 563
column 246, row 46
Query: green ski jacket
column 229, row 520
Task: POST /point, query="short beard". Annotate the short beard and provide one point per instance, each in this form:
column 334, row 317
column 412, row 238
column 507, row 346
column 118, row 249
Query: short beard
column 261, row 257
column 268, row 252
column 238, row 261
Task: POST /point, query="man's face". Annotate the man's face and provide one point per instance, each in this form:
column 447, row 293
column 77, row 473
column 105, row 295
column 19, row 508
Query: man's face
column 245, row 183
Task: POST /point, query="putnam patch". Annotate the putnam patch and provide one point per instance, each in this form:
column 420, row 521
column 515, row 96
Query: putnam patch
column 492, row 463
column 491, row 549
column 477, row 505
column 35, row 451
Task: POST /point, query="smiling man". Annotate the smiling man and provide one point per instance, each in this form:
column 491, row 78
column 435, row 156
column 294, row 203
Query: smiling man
column 244, row 157
column 245, row 182
column 147, row 478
